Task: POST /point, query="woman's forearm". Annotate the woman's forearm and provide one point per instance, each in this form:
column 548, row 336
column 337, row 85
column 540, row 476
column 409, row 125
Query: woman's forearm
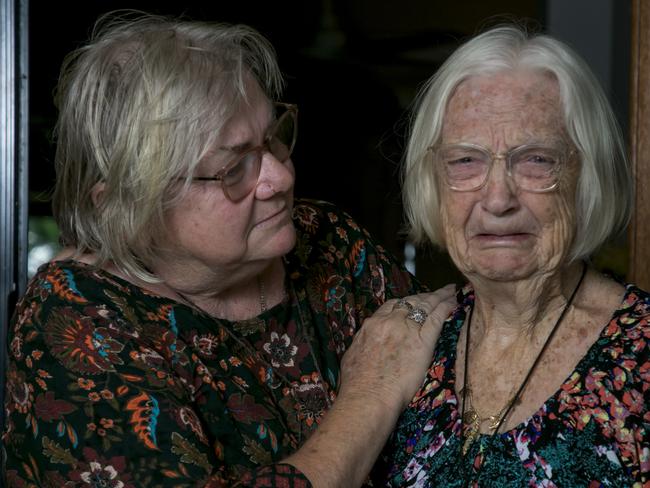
column 344, row 448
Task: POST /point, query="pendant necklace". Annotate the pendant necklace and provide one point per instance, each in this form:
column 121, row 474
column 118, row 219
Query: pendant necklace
column 260, row 286
column 471, row 420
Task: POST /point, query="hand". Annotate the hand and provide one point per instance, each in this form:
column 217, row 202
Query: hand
column 390, row 355
column 381, row 372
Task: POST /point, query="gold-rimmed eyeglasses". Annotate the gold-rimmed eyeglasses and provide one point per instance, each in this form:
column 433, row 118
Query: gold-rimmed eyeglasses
column 533, row 167
column 239, row 176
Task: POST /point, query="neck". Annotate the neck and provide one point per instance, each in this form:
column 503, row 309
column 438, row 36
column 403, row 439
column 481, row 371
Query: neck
column 509, row 311
column 230, row 294
column 496, row 353
column 238, row 295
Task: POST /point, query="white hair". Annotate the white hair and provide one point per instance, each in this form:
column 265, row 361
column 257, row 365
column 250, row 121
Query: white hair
column 605, row 186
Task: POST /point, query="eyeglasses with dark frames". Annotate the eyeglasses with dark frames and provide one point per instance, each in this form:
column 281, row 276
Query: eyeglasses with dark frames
column 239, row 177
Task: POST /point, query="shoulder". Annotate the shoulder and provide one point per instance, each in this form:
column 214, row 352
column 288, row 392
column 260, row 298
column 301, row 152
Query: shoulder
column 634, row 309
column 327, row 235
column 94, row 369
column 76, row 322
column 71, row 281
column 331, row 245
column 633, row 315
column 316, row 217
column 625, row 338
column 86, row 317
column 638, row 299
column 608, row 300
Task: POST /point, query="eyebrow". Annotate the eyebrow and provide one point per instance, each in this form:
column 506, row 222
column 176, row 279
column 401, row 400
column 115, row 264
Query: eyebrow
column 529, row 142
column 237, row 148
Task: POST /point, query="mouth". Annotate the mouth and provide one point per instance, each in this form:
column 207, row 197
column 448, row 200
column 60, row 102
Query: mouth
column 503, row 238
column 274, row 217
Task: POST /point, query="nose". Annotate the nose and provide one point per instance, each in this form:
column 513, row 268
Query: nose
column 275, row 177
column 500, row 193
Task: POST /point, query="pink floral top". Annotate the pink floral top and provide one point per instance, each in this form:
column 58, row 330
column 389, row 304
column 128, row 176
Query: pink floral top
column 593, row 432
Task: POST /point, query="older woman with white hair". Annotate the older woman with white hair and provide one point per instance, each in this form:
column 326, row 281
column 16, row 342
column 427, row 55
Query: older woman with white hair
column 515, row 166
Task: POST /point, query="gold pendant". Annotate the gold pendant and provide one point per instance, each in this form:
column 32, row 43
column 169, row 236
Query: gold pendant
column 494, row 421
column 472, row 421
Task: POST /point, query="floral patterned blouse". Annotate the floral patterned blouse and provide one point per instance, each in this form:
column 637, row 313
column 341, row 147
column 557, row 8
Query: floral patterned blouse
column 593, row 432
column 111, row 385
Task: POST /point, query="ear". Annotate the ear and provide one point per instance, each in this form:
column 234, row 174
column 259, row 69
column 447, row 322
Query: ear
column 97, row 193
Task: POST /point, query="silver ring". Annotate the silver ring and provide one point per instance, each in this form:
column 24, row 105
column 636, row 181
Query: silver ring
column 417, row 315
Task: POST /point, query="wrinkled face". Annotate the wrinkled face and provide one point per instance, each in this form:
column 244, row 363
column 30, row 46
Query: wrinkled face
column 499, row 231
column 207, row 229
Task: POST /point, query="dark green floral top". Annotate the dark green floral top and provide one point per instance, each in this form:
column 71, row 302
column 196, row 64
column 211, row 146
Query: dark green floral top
column 111, row 385
column 593, row 432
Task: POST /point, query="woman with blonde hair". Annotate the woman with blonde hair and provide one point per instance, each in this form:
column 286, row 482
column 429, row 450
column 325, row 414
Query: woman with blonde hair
column 193, row 330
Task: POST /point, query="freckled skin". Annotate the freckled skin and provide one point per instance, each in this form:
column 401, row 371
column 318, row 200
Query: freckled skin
column 512, row 245
column 499, row 112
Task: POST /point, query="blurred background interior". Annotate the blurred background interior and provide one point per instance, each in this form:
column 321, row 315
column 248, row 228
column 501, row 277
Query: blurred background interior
column 353, row 67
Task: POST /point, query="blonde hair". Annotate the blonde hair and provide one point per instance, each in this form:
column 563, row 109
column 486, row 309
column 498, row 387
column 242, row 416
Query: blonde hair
column 604, row 194
column 139, row 105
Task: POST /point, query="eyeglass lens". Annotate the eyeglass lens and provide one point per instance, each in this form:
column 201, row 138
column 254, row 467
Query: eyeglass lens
column 534, row 168
column 240, row 179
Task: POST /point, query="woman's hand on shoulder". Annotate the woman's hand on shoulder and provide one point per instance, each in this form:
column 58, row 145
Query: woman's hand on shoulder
column 381, row 372
column 390, row 355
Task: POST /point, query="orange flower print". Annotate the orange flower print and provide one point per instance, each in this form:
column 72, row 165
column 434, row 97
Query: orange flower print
column 79, row 345
column 85, row 384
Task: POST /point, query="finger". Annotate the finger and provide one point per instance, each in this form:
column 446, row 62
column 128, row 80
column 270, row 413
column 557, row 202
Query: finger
column 435, row 318
column 438, row 305
column 417, row 316
column 424, row 301
column 429, row 301
column 388, row 307
column 404, row 304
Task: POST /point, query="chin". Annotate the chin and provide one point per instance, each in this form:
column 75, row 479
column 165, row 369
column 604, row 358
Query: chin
column 280, row 243
column 501, row 266
column 502, row 275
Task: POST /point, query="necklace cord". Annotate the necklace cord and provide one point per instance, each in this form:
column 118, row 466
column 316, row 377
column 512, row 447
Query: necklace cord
column 532, row 368
column 260, row 286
